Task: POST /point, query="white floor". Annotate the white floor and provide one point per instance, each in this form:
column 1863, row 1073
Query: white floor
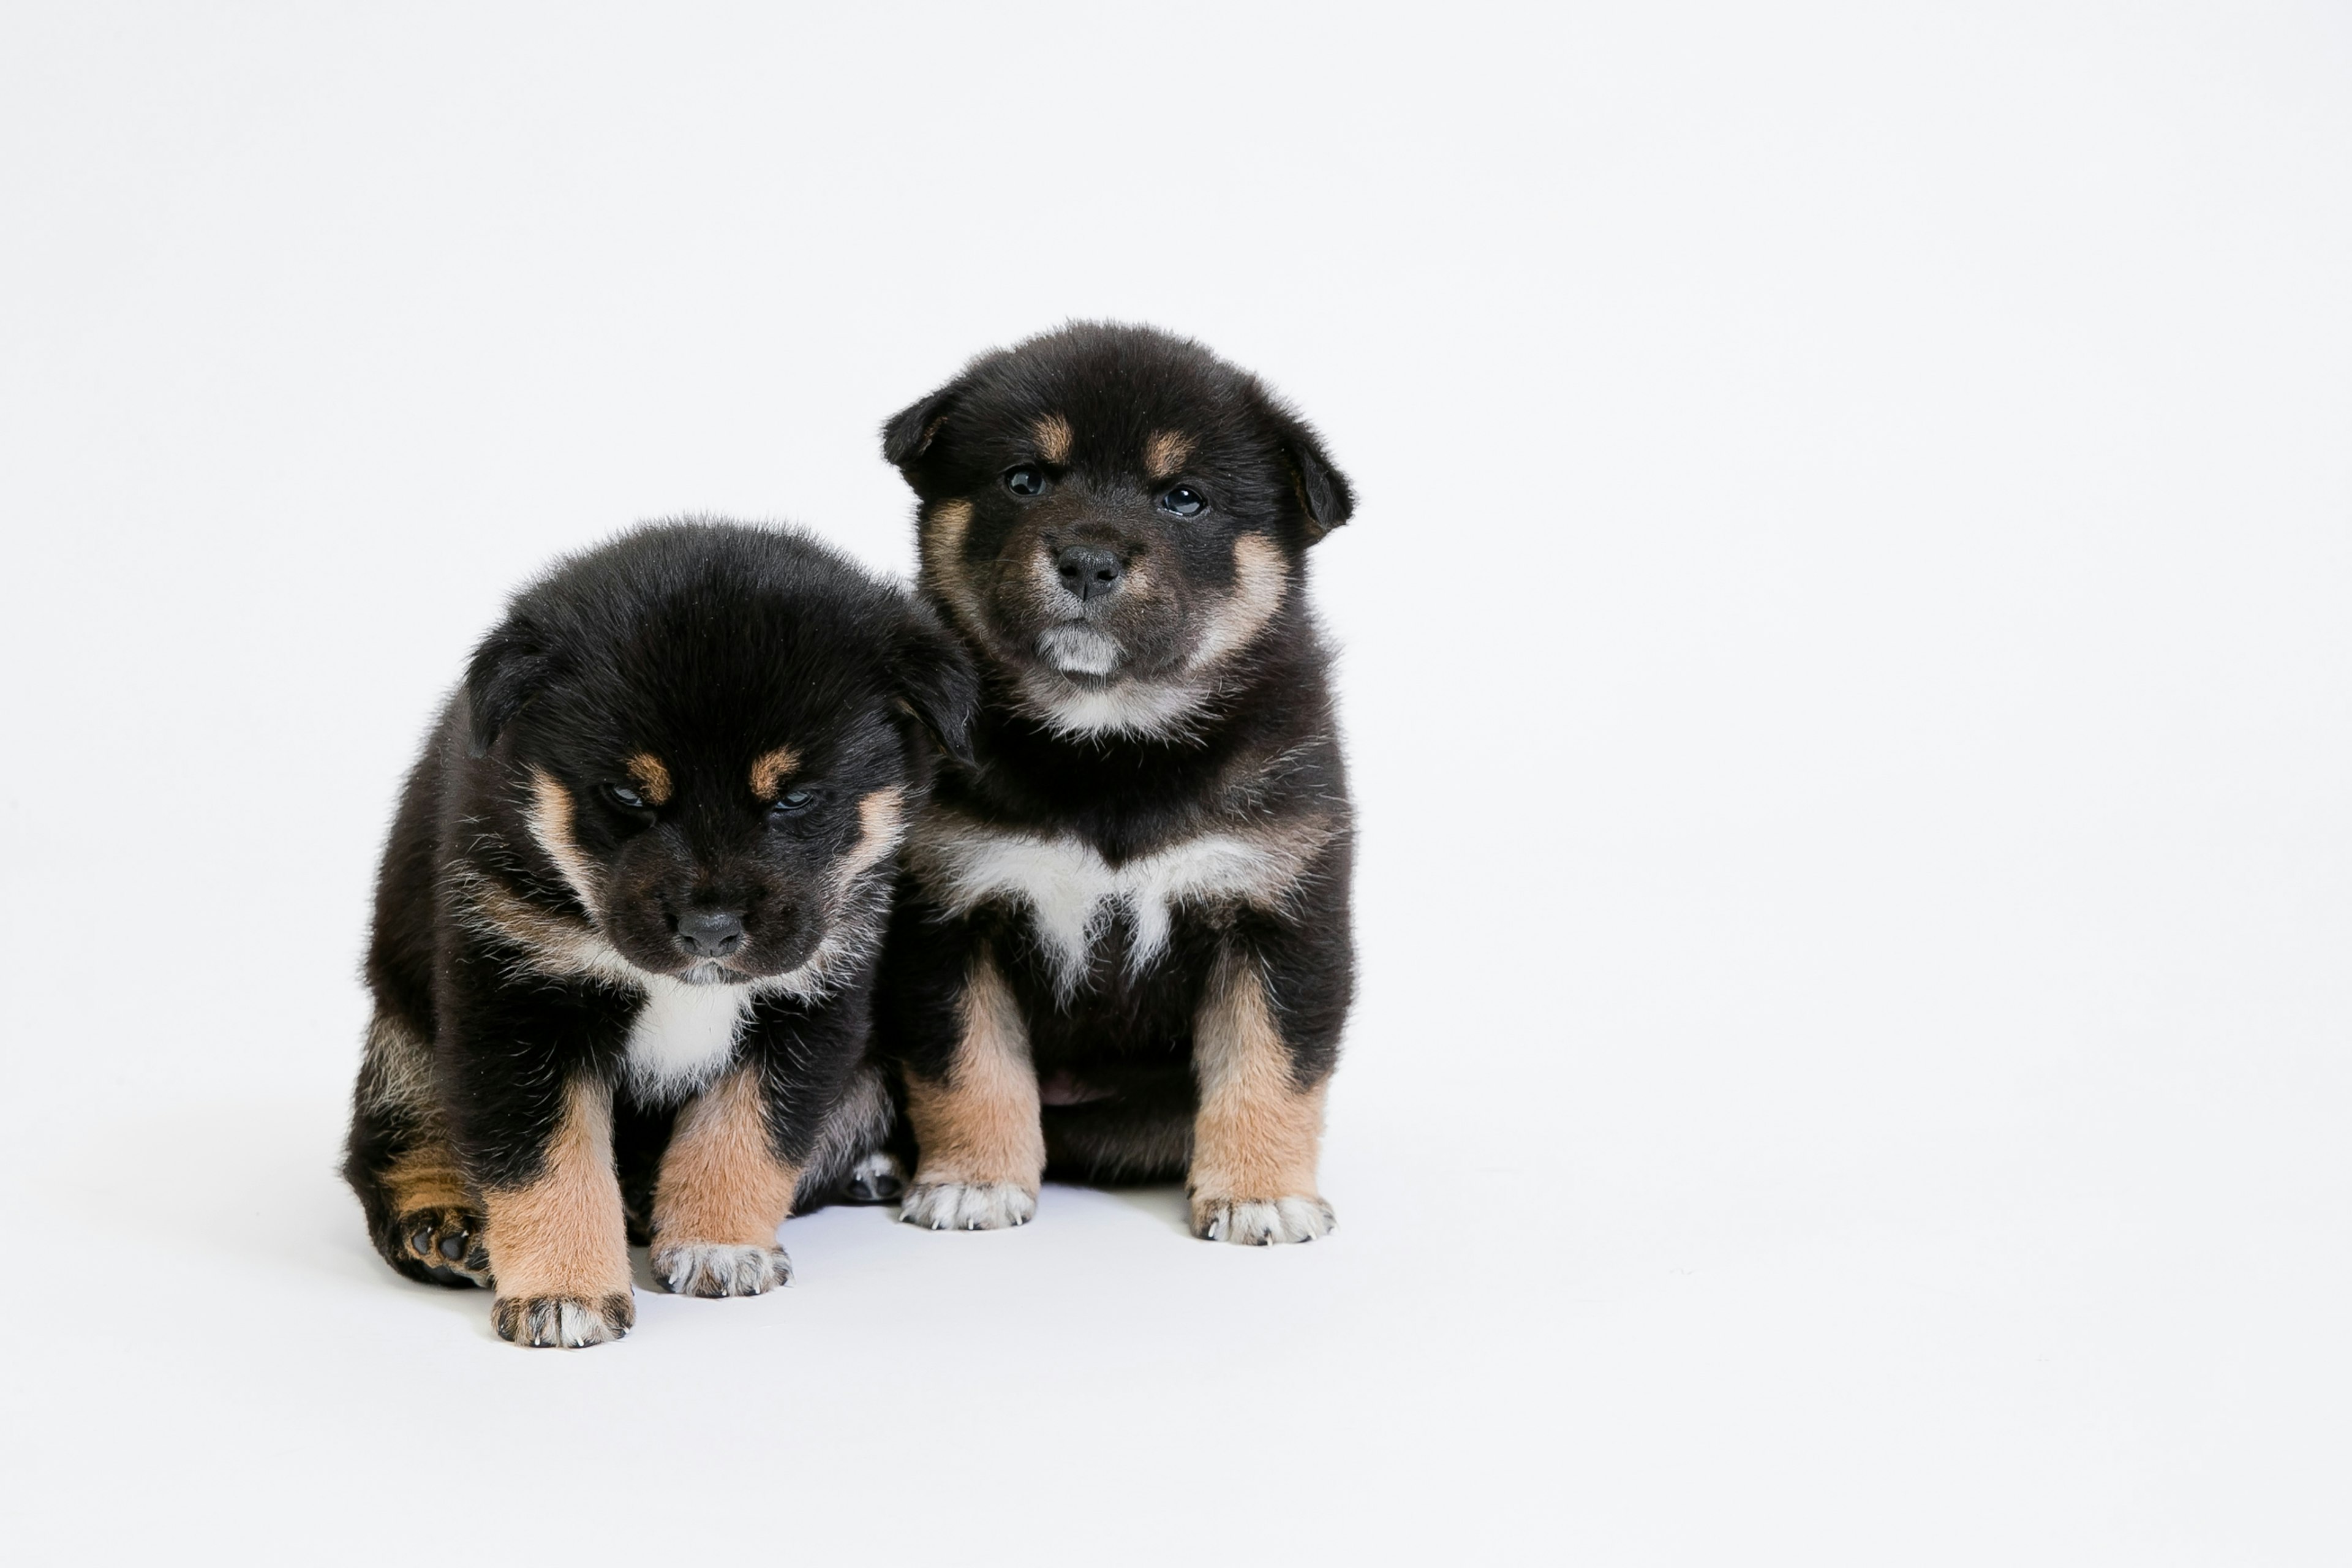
column 1846, row 667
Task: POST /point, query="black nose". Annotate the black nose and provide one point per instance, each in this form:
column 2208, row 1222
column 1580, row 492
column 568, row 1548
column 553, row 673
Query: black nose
column 1089, row 571
column 710, row 933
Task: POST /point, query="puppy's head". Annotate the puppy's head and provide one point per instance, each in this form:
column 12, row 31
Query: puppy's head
column 1113, row 517
column 714, row 735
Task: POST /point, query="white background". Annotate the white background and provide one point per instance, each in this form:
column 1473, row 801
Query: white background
column 1847, row 666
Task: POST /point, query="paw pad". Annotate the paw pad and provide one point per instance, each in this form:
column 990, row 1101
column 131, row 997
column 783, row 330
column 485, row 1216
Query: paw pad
column 445, row 1244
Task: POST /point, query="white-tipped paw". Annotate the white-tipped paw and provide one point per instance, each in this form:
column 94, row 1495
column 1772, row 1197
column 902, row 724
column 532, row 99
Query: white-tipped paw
column 1260, row 1222
column 567, row 1323
column 720, row 1268
column 967, row 1206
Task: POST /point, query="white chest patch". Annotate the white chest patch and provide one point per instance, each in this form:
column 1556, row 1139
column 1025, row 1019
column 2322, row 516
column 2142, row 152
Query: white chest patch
column 683, row 1035
column 1071, row 891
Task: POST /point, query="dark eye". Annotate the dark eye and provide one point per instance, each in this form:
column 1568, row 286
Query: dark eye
column 793, row 802
column 1027, row 481
column 622, row 794
column 1184, row 502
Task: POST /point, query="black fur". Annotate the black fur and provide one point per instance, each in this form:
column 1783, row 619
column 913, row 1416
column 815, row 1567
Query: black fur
column 704, row 646
column 1240, row 737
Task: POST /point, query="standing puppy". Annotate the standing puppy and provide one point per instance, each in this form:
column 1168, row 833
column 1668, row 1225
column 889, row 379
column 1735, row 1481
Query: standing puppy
column 1122, row 951
column 627, row 920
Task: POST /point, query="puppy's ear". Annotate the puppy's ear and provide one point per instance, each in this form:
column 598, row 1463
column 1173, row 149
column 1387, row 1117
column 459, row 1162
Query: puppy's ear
column 1323, row 490
column 936, row 682
column 906, row 434
column 509, row 668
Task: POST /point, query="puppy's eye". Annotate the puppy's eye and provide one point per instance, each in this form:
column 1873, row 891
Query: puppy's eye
column 624, row 796
column 1184, row 502
column 793, row 802
column 1027, row 481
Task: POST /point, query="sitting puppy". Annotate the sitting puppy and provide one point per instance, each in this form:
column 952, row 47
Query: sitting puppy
column 1122, row 949
column 627, row 920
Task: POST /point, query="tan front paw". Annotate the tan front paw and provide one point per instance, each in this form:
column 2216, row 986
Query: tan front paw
column 570, row 1322
column 1260, row 1222
column 712, row 1269
column 967, row 1206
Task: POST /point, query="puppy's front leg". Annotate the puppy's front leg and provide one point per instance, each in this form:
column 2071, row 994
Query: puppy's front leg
column 559, row 1249
column 723, row 1191
column 1259, row 1129
column 981, row 1143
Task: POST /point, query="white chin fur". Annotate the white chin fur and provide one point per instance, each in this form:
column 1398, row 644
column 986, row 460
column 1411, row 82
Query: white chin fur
column 1123, row 708
column 1079, row 650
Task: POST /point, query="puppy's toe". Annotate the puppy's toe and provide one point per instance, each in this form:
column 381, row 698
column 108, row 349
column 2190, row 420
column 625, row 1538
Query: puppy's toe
column 967, row 1206
column 1260, row 1222
column 876, row 1178
column 720, row 1268
column 567, row 1323
column 444, row 1244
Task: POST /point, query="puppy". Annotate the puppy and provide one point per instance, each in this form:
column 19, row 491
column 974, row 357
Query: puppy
column 626, row 925
column 1122, row 950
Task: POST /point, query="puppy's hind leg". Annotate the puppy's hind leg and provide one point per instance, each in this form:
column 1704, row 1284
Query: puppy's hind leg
column 421, row 1214
column 853, row 1160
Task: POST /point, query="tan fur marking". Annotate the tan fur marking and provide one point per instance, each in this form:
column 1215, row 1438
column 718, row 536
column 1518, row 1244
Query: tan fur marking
column 651, row 778
column 1257, row 1133
column 881, row 822
column 562, row 1234
column 550, row 822
column 720, row 1179
column 1164, row 453
column 427, row 1177
column 1053, row 436
column 981, row 1125
column 941, row 544
column 769, row 770
column 1259, row 584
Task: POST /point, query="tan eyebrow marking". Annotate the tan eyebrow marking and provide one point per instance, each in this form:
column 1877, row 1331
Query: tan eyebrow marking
column 652, row 778
column 769, row 768
column 1164, row 453
column 1053, row 435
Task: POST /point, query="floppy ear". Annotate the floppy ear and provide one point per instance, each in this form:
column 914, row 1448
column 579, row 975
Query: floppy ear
column 1323, row 490
column 509, row 668
column 906, row 434
column 936, row 682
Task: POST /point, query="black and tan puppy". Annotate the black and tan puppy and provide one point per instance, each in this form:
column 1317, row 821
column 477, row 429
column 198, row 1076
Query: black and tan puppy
column 1122, row 951
column 627, row 922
